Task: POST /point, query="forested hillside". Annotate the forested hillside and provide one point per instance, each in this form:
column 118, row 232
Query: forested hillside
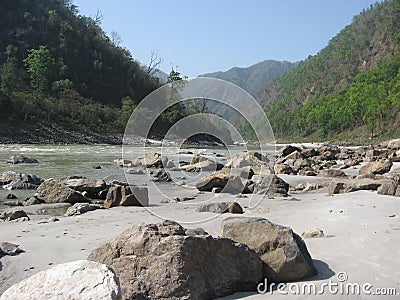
column 350, row 89
column 253, row 78
column 59, row 69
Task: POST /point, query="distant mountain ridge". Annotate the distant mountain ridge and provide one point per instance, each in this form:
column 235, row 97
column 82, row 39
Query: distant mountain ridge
column 255, row 77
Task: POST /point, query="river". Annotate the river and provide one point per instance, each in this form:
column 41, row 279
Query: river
column 58, row 161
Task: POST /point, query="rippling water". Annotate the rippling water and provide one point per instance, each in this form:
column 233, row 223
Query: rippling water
column 58, row 161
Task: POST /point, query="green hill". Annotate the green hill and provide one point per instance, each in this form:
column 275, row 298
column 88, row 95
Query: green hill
column 349, row 90
column 255, row 77
column 59, row 69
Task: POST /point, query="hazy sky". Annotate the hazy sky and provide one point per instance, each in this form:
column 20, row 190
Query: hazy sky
column 201, row 36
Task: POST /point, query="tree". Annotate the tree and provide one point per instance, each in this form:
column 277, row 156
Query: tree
column 39, row 64
column 154, row 63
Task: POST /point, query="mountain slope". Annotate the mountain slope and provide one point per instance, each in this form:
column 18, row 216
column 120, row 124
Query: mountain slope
column 59, row 70
column 351, row 86
column 253, row 78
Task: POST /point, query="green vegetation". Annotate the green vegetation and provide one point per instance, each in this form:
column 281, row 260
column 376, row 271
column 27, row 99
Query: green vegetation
column 59, row 70
column 351, row 88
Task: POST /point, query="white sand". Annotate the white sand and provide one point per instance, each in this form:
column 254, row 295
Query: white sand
column 365, row 242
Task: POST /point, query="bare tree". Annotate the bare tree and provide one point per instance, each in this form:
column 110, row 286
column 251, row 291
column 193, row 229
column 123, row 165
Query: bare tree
column 154, row 63
column 98, row 17
column 115, row 38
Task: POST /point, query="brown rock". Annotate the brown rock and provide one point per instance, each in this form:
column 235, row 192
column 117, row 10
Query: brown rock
column 331, row 173
column 221, row 208
column 283, row 252
column 119, row 195
column 50, row 191
column 376, row 167
column 161, row 262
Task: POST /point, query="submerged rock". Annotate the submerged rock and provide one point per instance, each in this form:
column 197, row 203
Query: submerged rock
column 21, row 159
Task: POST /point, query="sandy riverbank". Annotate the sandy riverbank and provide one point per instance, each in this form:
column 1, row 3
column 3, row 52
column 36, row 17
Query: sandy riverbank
column 364, row 229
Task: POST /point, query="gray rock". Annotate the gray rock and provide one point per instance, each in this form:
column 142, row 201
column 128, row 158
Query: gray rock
column 151, row 160
column 7, row 248
column 394, row 144
column 331, row 173
column 388, row 188
column 285, row 151
column 21, row 159
column 283, row 252
column 162, row 262
column 80, row 279
column 161, row 176
column 11, row 180
column 81, row 184
column 221, row 208
column 50, row 191
column 13, row 215
column 14, row 203
column 353, row 185
column 228, row 184
column 282, row 169
column 32, row 201
column 313, row 233
column 137, row 171
column 81, row 208
column 119, row 195
column 272, row 185
column 11, row 196
column 203, row 165
column 247, row 159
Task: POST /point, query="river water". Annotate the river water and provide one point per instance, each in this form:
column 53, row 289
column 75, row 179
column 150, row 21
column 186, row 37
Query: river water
column 58, row 161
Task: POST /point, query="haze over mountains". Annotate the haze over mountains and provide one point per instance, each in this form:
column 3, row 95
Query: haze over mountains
column 255, row 77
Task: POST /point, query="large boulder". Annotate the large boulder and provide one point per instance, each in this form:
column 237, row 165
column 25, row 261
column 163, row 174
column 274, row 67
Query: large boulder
column 151, row 160
column 11, row 180
column 203, row 165
column 21, row 159
column 388, row 188
column 121, row 195
column 80, row 279
column 51, row 191
column 283, row 252
column 376, row 167
column 271, row 185
column 161, row 261
column 229, row 184
column 257, row 161
column 92, row 187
